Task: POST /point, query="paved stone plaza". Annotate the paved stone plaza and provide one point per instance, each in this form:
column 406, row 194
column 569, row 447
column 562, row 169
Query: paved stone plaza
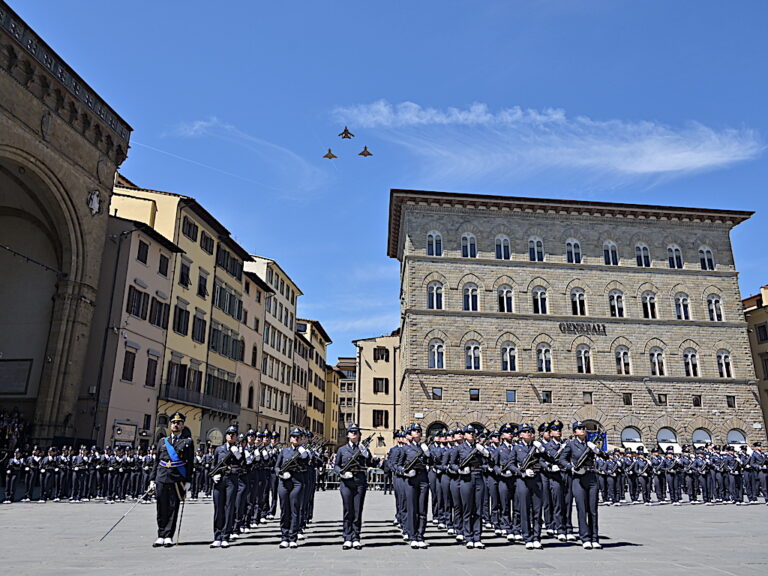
column 63, row 539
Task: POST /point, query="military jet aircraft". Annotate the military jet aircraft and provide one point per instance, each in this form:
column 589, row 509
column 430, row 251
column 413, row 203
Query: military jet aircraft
column 330, row 155
column 365, row 152
column 346, row 134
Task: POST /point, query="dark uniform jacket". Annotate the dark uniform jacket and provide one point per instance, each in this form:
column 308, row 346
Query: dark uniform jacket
column 573, row 452
column 162, row 472
column 344, row 456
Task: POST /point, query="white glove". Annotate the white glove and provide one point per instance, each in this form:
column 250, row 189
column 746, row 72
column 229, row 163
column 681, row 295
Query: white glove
column 554, row 468
column 410, row 473
column 187, row 486
column 593, row 447
column 364, row 451
column 464, row 470
column 346, row 475
column 537, row 444
column 425, row 449
column 152, row 486
column 529, row 473
column 578, row 471
column 483, row 450
column 235, row 451
column 285, row 475
column 507, row 473
column 265, row 454
column 216, row 478
column 302, row 450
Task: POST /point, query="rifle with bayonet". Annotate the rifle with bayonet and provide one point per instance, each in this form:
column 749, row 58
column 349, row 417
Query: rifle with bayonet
column 356, row 454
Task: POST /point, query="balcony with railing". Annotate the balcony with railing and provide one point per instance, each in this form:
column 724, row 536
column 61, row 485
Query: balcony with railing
column 200, row 399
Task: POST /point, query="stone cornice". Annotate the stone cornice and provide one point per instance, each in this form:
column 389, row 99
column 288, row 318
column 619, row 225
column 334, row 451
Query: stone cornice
column 488, row 204
column 471, row 317
column 42, row 72
column 623, row 268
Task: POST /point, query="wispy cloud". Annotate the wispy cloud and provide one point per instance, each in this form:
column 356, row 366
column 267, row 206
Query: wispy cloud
column 476, row 143
column 286, row 165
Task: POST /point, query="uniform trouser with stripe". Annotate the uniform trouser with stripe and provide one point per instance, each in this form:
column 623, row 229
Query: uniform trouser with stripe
column 612, row 493
column 762, row 483
column 10, row 485
column 353, row 499
column 546, row 502
column 472, row 488
column 644, row 483
column 401, row 514
column 167, row 494
column 433, row 493
column 585, row 494
column 529, row 493
column 493, row 498
column 556, row 485
column 446, row 502
column 224, row 502
column 291, row 496
column 692, row 487
column 416, row 498
column 506, row 501
column 672, row 480
column 457, row 521
column 659, row 486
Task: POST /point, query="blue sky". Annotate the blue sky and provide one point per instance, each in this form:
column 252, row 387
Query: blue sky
column 235, row 102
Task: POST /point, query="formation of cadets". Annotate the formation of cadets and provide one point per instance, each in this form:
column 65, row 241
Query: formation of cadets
column 509, row 483
column 517, row 487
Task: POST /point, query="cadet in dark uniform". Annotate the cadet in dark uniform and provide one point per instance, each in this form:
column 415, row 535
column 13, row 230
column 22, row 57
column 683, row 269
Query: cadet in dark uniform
column 468, row 461
column 556, row 481
column 170, row 478
column 32, row 474
column 526, row 465
column 759, row 463
column 12, row 474
column 578, row 457
column 411, row 465
column 352, row 461
column 397, row 482
column 80, row 475
column 291, row 467
column 644, row 473
column 49, row 476
column 228, row 463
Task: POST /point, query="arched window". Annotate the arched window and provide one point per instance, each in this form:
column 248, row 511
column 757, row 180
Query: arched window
column 434, row 244
column 736, row 436
column 472, row 355
column 436, row 354
column 505, row 299
column 724, row 367
column 649, row 305
column 578, row 302
column 470, row 297
column 502, row 248
column 643, row 255
column 656, row 356
column 706, row 259
column 435, row 296
column 468, row 246
column 610, row 253
column 682, row 307
column 631, row 434
column 536, row 250
column 666, row 435
column 435, row 428
column 508, row 357
column 539, row 300
column 701, row 436
column 622, row 361
column 691, row 363
column 573, row 252
column 238, row 393
column 616, row 304
column 250, row 397
column 543, row 358
column 583, row 360
column 675, row 257
column 715, row 308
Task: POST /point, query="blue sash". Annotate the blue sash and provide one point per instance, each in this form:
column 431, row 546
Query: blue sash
column 177, row 462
